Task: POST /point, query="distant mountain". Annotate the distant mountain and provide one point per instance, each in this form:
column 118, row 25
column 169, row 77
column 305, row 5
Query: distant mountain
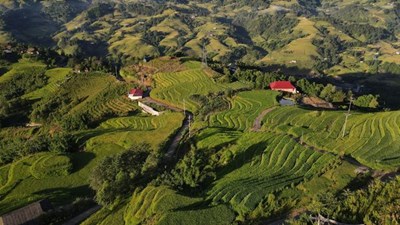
column 334, row 36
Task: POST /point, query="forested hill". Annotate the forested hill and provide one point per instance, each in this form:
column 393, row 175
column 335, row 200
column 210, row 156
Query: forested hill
column 330, row 36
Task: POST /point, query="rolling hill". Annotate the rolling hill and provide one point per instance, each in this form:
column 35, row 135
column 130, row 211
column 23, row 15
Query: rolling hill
column 266, row 32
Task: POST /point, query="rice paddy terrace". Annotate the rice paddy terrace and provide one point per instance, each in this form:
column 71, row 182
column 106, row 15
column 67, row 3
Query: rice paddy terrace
column 246, row 106
column 371, row 138
column 176, row 88
column 265, row 163
column 64, row 177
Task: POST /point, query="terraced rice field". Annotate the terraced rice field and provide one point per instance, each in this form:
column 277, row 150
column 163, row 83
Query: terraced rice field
column 175, row 88
column 56, row 77
column 373, row 138
column 245, row 107
column 173, row 208
column 264, row 163
column 134, row 122
column 119, row 105
column 126, row 131
column 27, row 180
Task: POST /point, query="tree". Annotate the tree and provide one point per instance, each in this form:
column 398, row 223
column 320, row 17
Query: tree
column 117, row 175
column 192, row 171
column 367, row 101
column 4, row 108
column 60, row 143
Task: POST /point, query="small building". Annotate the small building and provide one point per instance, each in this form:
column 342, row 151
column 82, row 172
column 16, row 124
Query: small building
column 284, row 86
column 27, row 214
column 135, row 94
column 148, row 109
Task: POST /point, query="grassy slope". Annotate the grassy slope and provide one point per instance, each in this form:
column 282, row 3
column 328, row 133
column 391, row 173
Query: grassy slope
column 300, row 50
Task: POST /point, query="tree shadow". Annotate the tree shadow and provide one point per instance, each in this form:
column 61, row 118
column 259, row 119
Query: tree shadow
column 80, row 160
column 60, row 196
column 243, row 157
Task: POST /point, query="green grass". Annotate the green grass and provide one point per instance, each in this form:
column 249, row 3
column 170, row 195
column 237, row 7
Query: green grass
column 371, row 138
column 245, row 108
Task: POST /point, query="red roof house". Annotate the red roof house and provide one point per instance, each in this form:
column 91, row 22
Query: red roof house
column 135, row 94
column 285, row 86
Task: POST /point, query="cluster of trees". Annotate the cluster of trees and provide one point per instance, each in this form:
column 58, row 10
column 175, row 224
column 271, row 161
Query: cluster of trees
column 370, row 33
column 327, row 92
column 118, row 175
column 15, row 148
column 211, row 103
column 99, row 10
column 367, row 101
column 377, row 204
column 193, row 172
column 22, row 83
column 270, row 27
column 389, row 68
column 329, row 47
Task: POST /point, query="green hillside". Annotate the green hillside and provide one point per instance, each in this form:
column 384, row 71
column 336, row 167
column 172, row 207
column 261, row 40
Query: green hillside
column 266, row 32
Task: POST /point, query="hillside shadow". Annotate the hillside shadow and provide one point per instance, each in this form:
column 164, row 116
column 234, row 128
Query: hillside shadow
column 80, row 160
column 29, row 26
column 386, row 85
column 60, row 196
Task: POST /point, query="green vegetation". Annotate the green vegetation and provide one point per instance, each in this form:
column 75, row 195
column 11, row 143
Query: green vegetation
column 245, row 107
column 165, row 206
column 377, row 204
column 177, row 88
column 370, row 138
column 224, row 151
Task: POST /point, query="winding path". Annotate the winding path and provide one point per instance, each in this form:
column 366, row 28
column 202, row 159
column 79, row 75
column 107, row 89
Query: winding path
column 257, row 122
column 182, row 130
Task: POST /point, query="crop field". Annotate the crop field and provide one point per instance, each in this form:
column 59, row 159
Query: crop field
column 264, row 163
column 372, row 138
column 176, row 88
column 126, row 131
column 56, row 77
column 133, row 122
column 173, row 208
column 119, row 105
column 212, row 138
column 38, row 176
column 246, row 106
